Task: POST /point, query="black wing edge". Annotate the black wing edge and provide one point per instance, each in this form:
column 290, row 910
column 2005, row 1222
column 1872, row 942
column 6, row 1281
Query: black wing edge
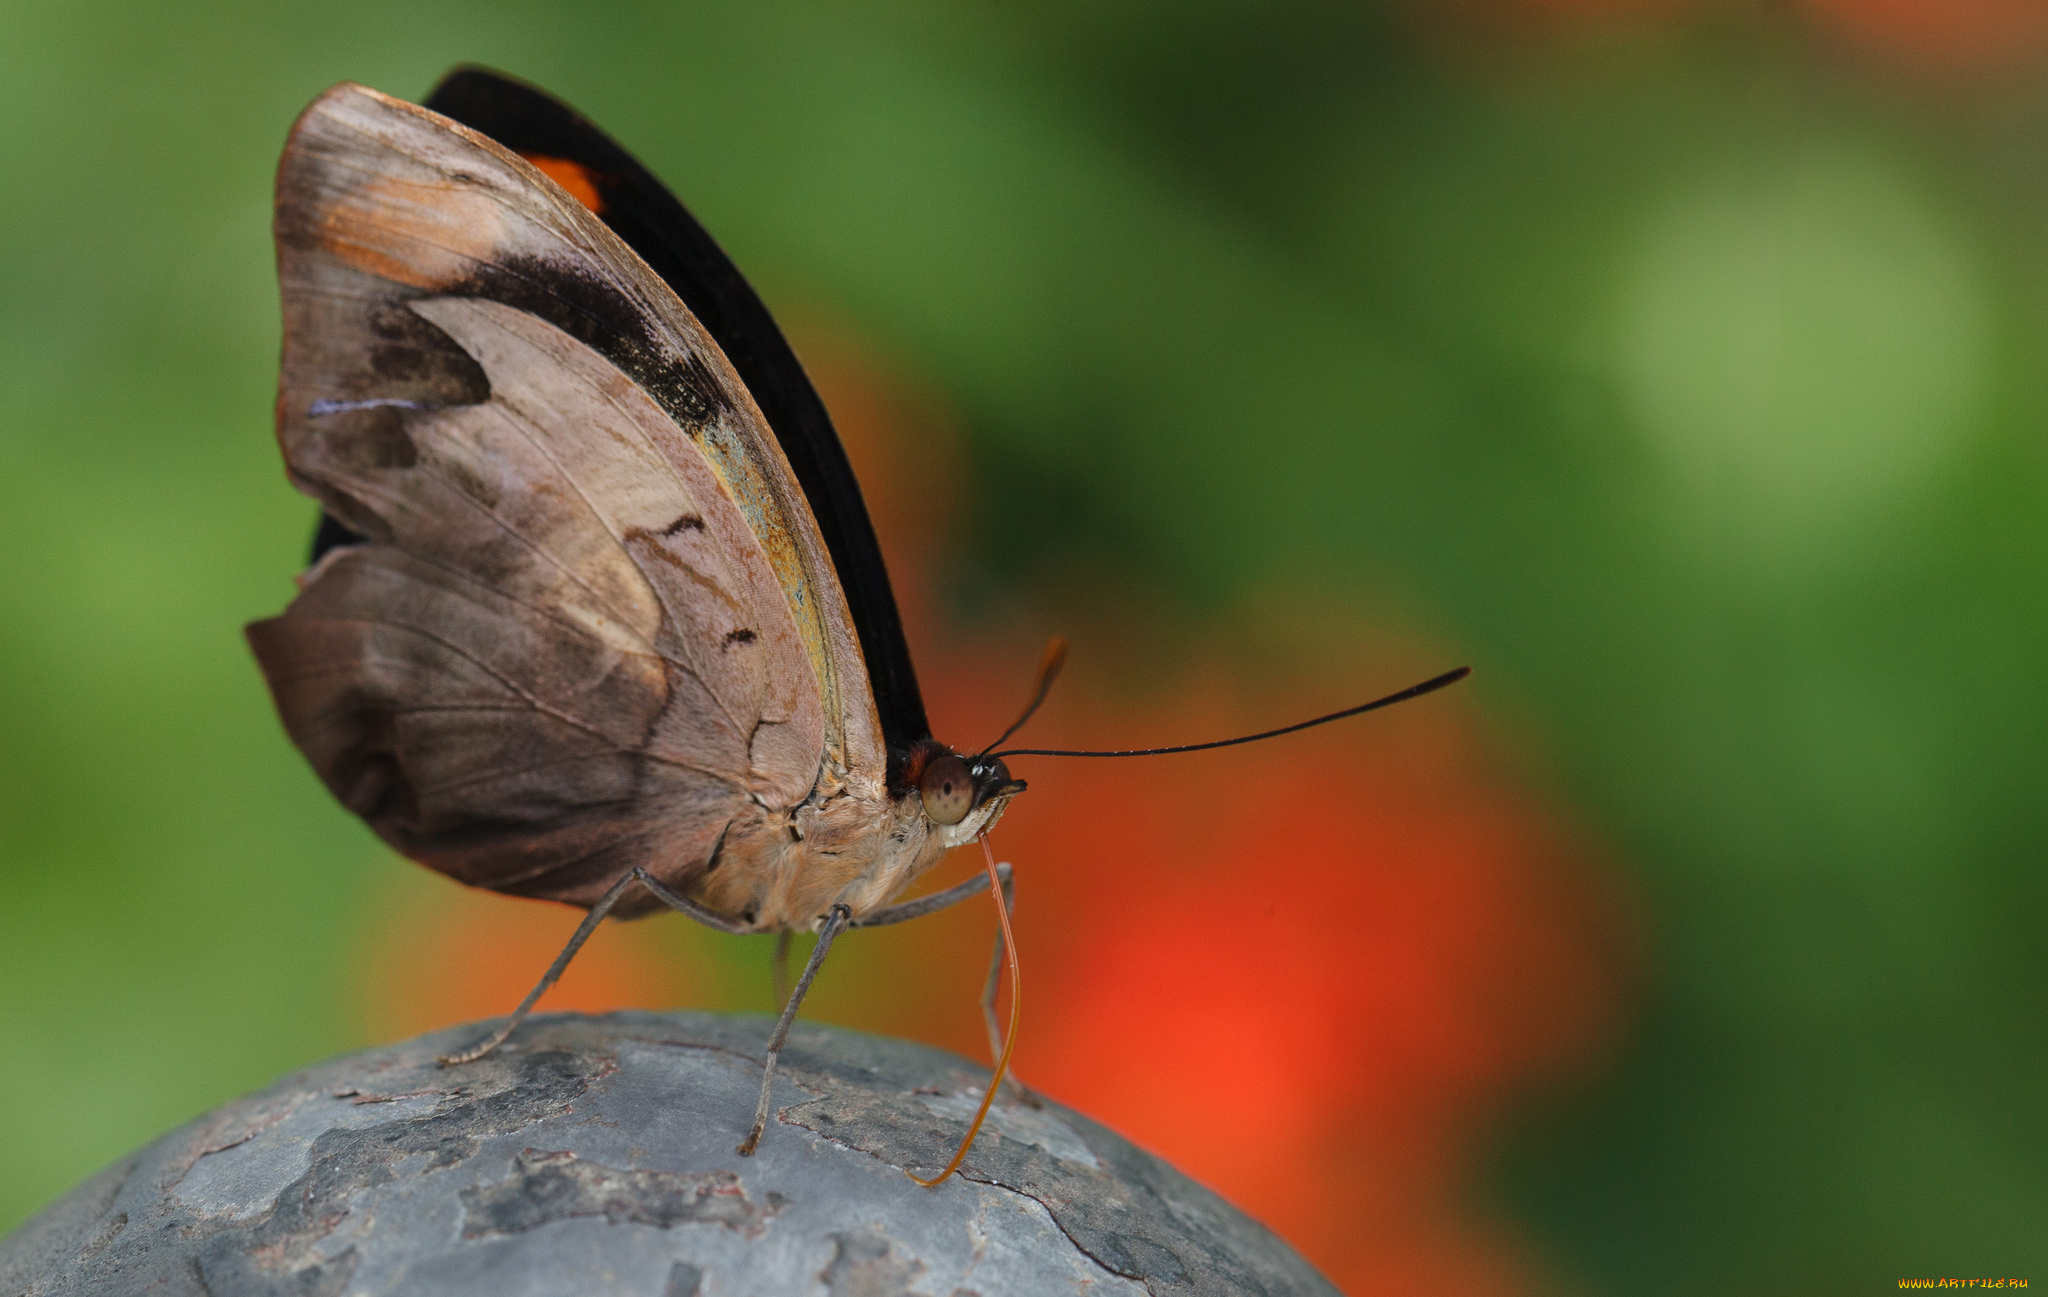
column 643, row 213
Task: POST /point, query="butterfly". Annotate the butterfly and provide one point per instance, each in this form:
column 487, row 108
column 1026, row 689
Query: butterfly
column 595, row 613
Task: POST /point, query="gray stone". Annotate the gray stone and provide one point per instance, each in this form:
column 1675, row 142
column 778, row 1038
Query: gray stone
column 595, row 1156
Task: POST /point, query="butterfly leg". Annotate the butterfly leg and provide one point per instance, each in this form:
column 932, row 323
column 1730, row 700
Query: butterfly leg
column 952, row 896
column 583, row 931
column 835, row 923
column 932, row 904
column 549, row 978
column 1011, row 1088
column 684, row 905
column 988, row 992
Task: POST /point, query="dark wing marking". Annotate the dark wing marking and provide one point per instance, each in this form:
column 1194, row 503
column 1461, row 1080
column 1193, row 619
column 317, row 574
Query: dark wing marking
column 330, row 535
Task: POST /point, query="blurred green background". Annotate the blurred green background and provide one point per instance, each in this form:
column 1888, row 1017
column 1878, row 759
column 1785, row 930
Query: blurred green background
column 1683, row 365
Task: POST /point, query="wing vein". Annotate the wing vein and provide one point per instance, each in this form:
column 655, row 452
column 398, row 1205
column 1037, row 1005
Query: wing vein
column 531, row 432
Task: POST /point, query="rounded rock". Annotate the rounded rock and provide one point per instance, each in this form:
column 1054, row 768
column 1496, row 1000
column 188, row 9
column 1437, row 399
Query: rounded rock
column 595, row 1155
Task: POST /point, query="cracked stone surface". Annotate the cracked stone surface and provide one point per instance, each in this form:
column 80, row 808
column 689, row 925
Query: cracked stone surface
column 594, row 1155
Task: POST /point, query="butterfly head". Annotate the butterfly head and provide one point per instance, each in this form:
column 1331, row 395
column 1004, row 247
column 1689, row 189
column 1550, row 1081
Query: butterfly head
column 961, row 796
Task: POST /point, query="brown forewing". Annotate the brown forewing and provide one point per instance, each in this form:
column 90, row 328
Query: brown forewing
column 593, row 624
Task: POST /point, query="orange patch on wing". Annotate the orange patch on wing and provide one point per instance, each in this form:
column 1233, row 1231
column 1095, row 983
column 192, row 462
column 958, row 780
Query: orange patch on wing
column 427, row 234
column 573, row 177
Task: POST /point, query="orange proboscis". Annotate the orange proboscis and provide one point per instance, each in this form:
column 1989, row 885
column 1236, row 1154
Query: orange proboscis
column 995, row 887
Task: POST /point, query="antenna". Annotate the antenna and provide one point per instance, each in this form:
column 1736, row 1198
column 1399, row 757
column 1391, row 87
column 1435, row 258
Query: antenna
column 1429, row 686
column 1048, row 671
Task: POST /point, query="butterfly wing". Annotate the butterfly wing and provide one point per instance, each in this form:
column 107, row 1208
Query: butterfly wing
column 592, row 623
column 641, row 211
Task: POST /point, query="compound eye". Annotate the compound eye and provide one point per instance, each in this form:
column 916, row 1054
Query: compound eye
column 947, row 789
